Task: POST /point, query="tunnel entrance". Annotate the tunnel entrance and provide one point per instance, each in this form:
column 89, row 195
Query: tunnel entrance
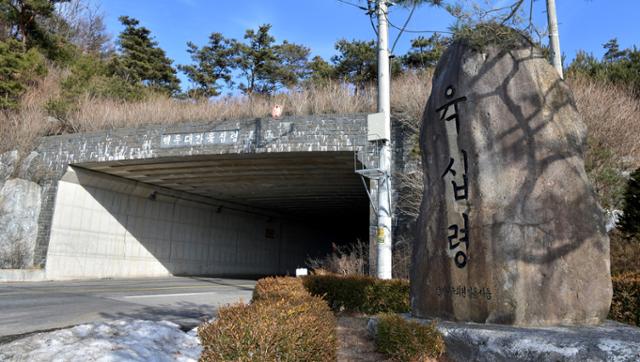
column 227, row 214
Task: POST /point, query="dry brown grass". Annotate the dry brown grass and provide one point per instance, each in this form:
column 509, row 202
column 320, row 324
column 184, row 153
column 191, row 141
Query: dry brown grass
column 612, row 115
column 20, row 129
column 95, row 114
column 334, row 98
column 349, row 259
column 409, row 94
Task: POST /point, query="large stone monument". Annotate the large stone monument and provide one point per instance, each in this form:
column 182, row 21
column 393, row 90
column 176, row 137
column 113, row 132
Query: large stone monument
column 510, row 231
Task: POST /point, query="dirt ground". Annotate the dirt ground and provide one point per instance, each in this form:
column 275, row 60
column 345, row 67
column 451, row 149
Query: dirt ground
column 354, row 344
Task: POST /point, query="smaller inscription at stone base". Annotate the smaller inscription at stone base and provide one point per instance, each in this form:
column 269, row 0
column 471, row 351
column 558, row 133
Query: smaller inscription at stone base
column 463, row 291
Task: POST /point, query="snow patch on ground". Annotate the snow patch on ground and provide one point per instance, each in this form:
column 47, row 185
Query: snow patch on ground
column 541, row 346
column 618, row 350
column 612, row 217
column 500, row 342
column 121, row 340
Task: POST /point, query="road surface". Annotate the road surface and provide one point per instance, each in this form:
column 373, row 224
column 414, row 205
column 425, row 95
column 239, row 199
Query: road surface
column 30, row 307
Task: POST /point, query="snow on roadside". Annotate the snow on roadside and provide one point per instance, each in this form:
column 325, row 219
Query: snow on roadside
column 121, row 340
column 612, row 218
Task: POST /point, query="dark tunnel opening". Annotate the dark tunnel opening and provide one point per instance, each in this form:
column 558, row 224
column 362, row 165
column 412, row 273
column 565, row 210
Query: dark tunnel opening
column 216, row 215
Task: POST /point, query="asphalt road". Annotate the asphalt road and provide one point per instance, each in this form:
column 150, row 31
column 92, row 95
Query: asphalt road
column 30, row 307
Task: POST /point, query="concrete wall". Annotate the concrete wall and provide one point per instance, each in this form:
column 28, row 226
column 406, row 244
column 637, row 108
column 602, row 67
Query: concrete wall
column 104, row 226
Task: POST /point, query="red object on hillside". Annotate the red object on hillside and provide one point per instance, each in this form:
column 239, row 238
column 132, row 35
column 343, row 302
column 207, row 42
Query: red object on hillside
column 276, row 111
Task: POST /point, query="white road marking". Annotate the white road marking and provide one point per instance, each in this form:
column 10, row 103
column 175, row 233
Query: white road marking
column 166, row 295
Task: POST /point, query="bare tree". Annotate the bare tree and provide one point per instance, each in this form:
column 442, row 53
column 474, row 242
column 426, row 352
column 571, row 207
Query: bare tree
column 82, row 23
column 14, row 256
column 343, row 260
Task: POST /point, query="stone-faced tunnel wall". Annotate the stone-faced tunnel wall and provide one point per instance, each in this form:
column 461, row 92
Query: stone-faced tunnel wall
column 313, row 134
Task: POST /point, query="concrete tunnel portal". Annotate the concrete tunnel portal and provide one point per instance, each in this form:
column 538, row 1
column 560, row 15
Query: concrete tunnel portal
column 215, row 214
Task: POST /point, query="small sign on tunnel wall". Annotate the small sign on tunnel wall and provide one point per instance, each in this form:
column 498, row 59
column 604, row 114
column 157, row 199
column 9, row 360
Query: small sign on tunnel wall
column 270, row 233
column 199, row 138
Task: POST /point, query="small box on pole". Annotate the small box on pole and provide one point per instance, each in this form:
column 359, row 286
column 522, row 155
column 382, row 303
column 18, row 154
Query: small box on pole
column 377, row 128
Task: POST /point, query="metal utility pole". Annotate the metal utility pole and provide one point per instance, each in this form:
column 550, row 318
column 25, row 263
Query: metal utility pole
column 554, row 37
column 384, row 255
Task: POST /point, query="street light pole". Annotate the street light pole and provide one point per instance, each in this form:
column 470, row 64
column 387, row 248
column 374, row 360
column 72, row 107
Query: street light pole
column 384, row 246
column 554, row 37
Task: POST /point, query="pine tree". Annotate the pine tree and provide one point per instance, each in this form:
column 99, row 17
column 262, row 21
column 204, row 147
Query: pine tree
column 212, row 64
column 25, row 21
column 18, row 69
column 319, row 71
column 613, row 52
column 141, row 60
column 425, row 52
column 630, row 221
column 620, row 66
column 356, row 62
column 257, row 61
column 292, row 63
column 267, row 66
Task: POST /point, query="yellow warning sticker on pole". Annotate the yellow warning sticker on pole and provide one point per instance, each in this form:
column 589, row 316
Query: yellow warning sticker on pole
column 380, row 235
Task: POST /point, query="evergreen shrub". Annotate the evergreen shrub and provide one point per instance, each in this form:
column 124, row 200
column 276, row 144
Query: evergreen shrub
column 630, row 221
column 279, row 288
column 403, row 340
column 481, row 35
column 360, row 293
column 19, row 70
column 275, row 326
column 625, row 306
column 625, row 252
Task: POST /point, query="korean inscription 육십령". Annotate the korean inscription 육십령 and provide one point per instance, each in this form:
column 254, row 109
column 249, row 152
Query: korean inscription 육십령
column 456, row 173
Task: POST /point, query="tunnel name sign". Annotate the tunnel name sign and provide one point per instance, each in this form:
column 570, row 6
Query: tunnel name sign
column 224, row 137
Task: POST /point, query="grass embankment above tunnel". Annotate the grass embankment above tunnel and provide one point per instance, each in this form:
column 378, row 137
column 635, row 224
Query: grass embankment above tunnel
column 610, row 112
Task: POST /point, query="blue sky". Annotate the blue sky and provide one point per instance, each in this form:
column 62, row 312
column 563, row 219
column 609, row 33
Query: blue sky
column 318, row 24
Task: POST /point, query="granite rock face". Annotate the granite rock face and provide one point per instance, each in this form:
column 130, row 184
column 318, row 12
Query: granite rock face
column 8, row 162
column 19, row 211
column 32, row 169
column 510, row 231
column 464, row 342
